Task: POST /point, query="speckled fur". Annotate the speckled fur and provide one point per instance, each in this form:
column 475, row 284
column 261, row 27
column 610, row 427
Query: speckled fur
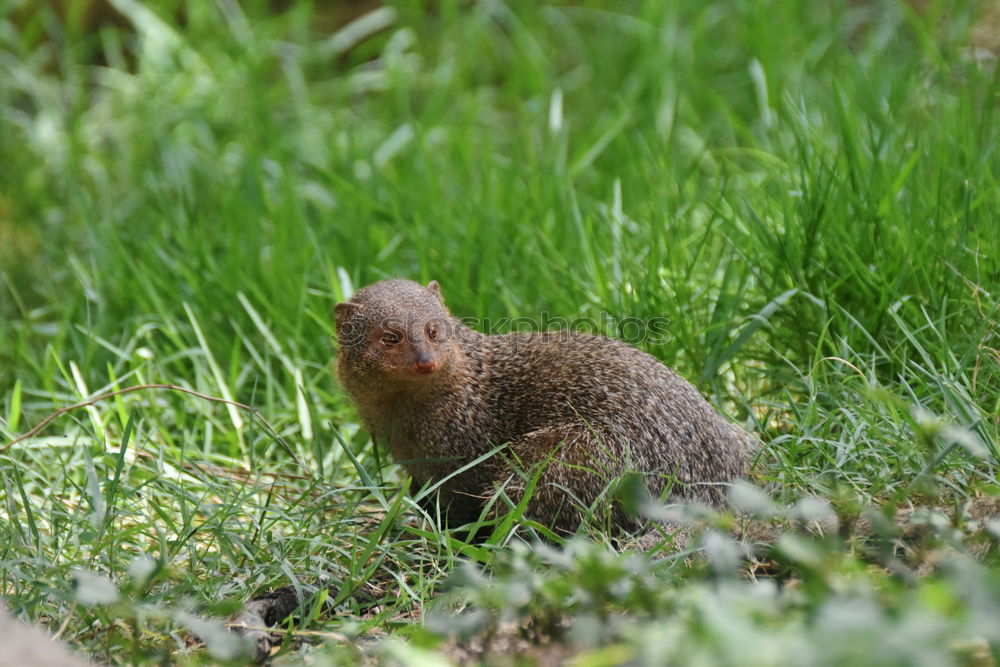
column 598, row 407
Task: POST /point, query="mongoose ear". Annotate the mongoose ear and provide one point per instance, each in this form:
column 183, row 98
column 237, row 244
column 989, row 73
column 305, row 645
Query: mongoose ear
column 435, row 287
column 343, row 311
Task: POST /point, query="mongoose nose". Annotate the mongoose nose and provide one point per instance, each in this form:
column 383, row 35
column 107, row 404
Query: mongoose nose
column 424, row 367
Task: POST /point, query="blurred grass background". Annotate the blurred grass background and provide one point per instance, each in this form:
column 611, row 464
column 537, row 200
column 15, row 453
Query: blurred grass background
column 808, row 192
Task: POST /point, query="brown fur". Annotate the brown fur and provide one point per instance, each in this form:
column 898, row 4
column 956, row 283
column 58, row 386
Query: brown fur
column 586, row 407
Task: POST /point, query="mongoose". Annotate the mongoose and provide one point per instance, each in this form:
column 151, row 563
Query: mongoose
column 589, row 409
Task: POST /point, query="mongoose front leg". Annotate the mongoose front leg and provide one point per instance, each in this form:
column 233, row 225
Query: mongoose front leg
column 567, row 468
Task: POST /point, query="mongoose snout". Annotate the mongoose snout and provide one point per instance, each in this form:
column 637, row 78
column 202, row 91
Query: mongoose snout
column 579, row 410
column 424, row 366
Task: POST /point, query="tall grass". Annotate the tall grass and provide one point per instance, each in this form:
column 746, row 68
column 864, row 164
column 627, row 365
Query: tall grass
column 807, row 192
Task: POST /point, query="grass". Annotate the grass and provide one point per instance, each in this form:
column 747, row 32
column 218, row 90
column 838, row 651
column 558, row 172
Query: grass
column 805, row 191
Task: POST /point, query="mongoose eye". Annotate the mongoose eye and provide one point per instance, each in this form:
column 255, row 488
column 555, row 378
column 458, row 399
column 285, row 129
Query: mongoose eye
column 433, row 332
column 389, row 339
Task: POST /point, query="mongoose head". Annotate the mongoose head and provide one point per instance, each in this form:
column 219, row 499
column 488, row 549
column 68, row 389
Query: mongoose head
column 393, row 332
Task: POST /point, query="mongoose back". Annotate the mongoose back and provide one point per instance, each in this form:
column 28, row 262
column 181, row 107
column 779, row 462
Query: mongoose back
column 587, row 408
